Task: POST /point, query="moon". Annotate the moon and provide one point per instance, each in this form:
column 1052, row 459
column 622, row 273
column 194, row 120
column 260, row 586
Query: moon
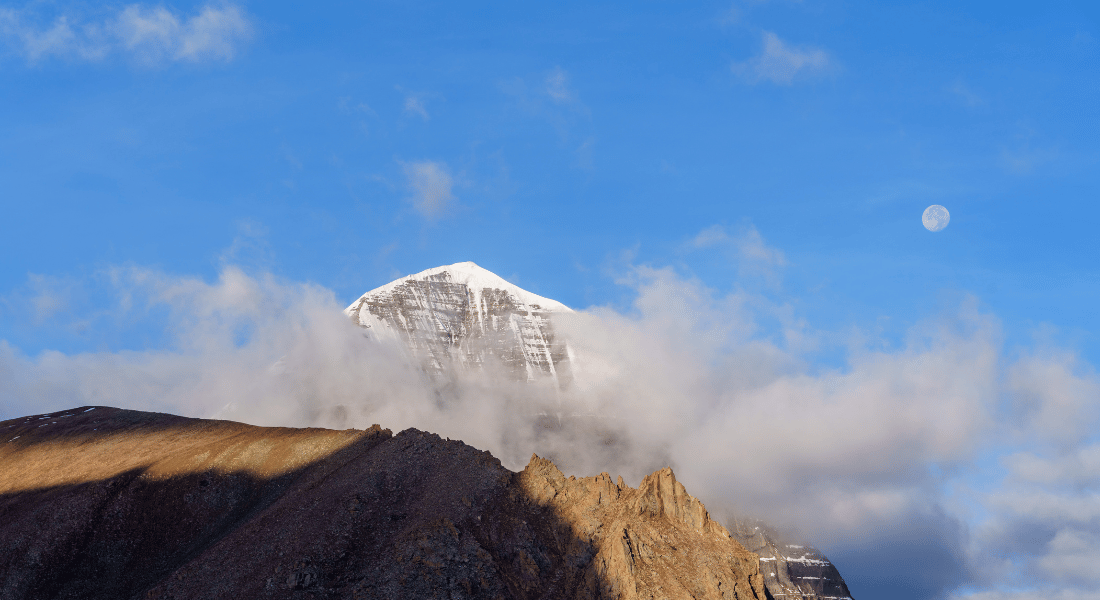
column 936, row 218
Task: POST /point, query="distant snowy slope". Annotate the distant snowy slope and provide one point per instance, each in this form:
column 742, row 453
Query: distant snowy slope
column 791, row 571
column 463, row 313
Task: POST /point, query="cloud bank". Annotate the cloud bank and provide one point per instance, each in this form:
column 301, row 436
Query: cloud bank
column 876, row 461
column 147, row 34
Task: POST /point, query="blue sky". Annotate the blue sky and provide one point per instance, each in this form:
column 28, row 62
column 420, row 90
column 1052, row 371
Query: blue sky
column 779, row 149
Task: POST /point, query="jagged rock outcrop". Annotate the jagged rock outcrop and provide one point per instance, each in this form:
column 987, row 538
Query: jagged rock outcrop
column 463, row 314
column 105, row 503
column 656, row 541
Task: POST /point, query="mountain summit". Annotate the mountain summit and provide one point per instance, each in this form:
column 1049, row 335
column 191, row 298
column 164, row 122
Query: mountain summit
column 463, row 314
column 466, row 314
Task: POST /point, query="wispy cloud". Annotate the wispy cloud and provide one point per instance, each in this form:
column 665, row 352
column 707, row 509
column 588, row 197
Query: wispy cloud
column 782, row 63
column 746, row 249
column 431, row 185
column 967, row 95
column 557, row 87
column 415, row 106
column 146, row 34
column 586, row 152
column 730, row 16
column 552, row 96
column 1025, row 158
column 736, row 11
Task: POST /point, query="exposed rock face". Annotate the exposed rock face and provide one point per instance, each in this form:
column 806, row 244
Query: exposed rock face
column 464, row 314
column 108, row 503
column 790, row 570
column 656, row 541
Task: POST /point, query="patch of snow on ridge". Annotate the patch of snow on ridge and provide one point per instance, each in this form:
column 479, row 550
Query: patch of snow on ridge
column 808, row 561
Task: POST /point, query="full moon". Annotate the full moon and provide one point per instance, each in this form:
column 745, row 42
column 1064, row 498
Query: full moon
column 936, row 218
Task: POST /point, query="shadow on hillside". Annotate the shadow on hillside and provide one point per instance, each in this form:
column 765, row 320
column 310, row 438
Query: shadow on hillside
column 405, row 516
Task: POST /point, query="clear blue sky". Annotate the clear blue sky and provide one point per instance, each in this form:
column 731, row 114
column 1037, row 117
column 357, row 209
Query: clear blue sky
column 561, row 145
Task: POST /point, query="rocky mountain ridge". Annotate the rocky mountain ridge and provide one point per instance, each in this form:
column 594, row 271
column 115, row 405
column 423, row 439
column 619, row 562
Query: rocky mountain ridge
column 99, row 502
column 790, row 570
column 463, row 316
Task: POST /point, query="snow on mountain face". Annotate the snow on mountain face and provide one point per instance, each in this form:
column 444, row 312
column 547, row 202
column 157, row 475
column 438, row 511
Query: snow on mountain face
column 791, row 571
column 463, row 313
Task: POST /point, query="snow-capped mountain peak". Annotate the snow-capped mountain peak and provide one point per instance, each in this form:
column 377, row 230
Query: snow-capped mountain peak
column 466, row 315
column 475, row 279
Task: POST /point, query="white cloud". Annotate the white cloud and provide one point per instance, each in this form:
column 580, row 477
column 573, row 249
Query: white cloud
column 749, row 245
column 1080, row 467
column 549, row 96
column 1055, row 396
column 729, row 16
column 585, row 153
column 557, row 87
column 147, row 34
column 1025, row 159
column 687, row 377
column 431, row 185
column 60, row 38
column 968, row 96
column 746, row 249
column 711, row 236
column 781, row 63
column 1073, row 556
column 415, row 106
column 51, row 295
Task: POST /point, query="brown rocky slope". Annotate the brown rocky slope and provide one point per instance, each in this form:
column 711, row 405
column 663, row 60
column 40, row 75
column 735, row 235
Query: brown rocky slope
column 99, row 502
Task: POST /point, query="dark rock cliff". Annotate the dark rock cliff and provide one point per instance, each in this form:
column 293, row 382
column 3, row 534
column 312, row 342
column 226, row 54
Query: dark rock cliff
column 108, row 503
